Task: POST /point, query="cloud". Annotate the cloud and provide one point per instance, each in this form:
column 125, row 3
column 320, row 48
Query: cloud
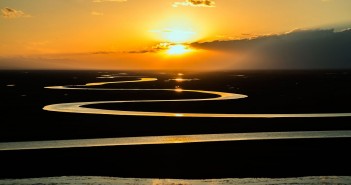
column 195, row 3
column 102, row 52
column 156, row 48
column 101, row 1
column 160, row 47
column 299, row 49
column 95, row 13
column 116, row 52
column 153, row 49
column 12, row 13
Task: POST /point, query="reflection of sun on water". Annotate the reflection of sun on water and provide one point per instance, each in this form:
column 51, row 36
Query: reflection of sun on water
column 179, row 139
column 177, row 50
column 179, row 80
column 178, row 90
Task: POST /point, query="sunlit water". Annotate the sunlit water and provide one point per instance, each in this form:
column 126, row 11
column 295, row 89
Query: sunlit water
column 325, row 180
column 79, row 107
column 148, row 140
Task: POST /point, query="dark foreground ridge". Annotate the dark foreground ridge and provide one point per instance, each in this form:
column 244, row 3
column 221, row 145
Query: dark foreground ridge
column 276, row 158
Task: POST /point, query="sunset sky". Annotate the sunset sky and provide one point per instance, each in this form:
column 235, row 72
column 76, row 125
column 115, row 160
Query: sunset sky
column 175, row 34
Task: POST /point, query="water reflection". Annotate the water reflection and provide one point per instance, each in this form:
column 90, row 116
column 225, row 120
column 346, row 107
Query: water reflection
column 92, row 180
column 152, row 140
column 117, row 82
column 79, row 107
column 179, row 139
column 118, row 76
column 179, row 79
column 178, row 115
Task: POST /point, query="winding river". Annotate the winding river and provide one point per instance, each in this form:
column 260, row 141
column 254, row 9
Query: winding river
column 79, row 107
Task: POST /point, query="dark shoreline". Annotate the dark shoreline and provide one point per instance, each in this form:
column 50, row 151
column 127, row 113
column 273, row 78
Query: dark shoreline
column 79, row 126
column 240, row 159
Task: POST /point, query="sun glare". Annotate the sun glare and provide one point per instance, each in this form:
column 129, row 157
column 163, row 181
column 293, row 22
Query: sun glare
column 177, row 50
column 175, row 35
column 178, row 36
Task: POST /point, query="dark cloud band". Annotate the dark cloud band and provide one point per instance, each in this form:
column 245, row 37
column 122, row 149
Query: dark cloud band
column 196, row 3
column 301, row 49
column 12, row 13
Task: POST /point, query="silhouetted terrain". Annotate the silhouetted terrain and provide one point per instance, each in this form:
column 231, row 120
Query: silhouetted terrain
column 22, row 119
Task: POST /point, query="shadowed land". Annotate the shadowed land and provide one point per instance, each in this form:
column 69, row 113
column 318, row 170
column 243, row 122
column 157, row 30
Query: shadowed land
column 278, row 158
column 270, row 92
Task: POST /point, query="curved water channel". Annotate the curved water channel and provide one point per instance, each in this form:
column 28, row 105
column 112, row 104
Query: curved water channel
column 79, row 107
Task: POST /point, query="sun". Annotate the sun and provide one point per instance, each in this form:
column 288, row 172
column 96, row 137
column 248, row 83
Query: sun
column 179, row 36
column 178, row 49
column 175, row 35
column 175, row 41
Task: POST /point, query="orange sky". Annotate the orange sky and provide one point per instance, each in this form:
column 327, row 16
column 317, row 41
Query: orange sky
column 126, row 34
